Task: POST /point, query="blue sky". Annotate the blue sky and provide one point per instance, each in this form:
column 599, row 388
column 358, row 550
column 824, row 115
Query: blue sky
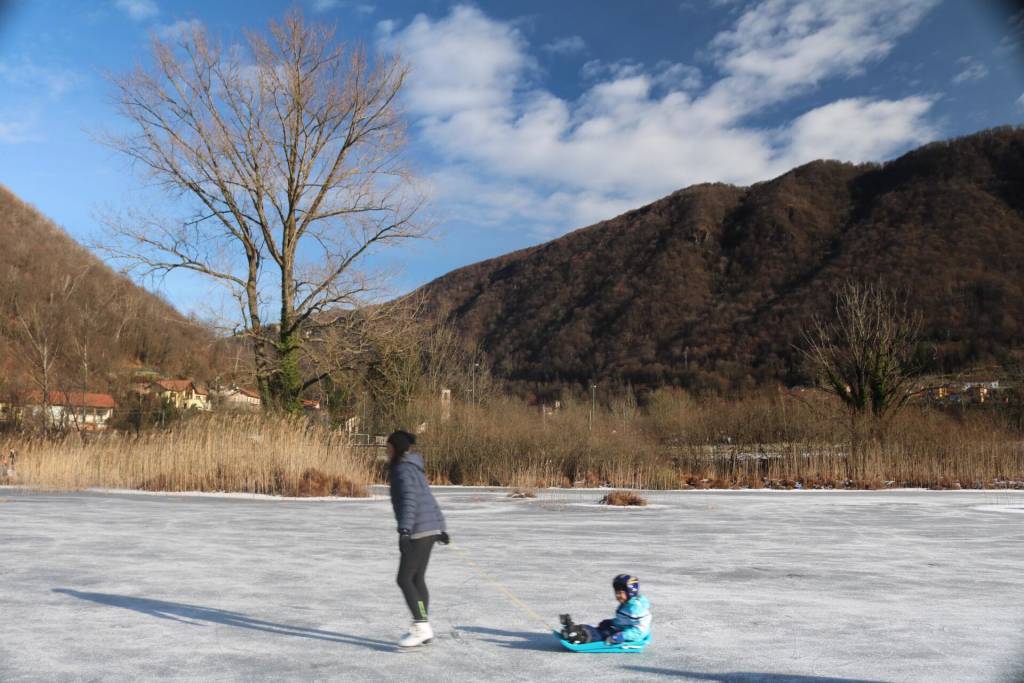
column 529, row 119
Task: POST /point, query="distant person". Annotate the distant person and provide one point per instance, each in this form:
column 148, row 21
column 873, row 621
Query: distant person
column 632, row 620
column 420, row 525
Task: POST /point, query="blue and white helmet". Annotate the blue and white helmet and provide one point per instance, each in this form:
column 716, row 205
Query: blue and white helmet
column 630, row 585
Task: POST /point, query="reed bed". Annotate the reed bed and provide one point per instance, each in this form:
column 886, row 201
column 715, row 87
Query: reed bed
column 775, row 439
column 236, row 453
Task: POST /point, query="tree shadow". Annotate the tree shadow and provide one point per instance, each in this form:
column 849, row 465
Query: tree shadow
column 746, row 676
column 195, row 615
column 527, row 640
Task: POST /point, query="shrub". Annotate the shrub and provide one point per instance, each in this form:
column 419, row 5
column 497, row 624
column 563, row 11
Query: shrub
column 623, row 498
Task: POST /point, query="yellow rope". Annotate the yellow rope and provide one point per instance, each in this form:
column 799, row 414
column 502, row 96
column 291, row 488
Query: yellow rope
column 500, row 586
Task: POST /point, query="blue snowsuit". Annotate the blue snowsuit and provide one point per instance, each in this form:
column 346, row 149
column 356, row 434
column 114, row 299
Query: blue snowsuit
column 632, row 621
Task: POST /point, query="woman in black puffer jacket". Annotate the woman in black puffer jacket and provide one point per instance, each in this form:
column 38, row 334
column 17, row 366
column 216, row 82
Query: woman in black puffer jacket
column 420, row 525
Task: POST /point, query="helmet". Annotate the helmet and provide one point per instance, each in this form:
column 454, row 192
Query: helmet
column 626, row 583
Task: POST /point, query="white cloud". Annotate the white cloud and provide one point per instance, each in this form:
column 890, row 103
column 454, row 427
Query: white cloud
column 970, row 70
column 18, row 128
column 732, row 5
column 667, row 75
column 1012, row 43
column 674, row 76
column 781, row 48
column 179, row 29
column 859, row 129
column 463, row 63
column 638, row 132
column 566, row 46
column 25, row 73
column 1020, row 101
column 138, row 9
column 359, row 7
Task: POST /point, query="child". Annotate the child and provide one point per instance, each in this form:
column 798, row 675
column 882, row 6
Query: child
column 632, row 619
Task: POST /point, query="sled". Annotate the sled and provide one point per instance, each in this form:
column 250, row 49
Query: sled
column 600, row 646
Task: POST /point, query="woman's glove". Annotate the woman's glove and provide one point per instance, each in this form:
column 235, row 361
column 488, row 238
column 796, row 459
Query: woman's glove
column 404, row 539
column 443, row 538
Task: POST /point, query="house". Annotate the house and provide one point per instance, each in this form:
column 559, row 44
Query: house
column 240, row 398
column 181, row 393
column 969, row 392
column 80, row 410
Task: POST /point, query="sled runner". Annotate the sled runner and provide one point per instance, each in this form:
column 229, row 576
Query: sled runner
column 600, row 646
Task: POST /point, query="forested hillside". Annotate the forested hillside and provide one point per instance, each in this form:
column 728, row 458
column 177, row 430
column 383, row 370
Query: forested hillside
column 711, row 287
column 69, row 320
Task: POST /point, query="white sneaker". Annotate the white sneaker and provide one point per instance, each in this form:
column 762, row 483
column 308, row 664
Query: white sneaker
column 419, row 633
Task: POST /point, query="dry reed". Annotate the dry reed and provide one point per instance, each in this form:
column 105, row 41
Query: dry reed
column 771, row 440
column 252, row 454
column 774, row 439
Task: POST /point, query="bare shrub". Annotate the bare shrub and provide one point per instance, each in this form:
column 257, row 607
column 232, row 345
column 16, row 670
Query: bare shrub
column 623, row 498
column 314, row 483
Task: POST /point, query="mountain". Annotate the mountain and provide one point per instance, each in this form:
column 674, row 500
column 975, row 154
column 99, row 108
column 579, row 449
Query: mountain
column 711, row 287
column 64, row 311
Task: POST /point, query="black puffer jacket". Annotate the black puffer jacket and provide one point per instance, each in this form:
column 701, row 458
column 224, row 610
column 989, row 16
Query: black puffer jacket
column 414, row 504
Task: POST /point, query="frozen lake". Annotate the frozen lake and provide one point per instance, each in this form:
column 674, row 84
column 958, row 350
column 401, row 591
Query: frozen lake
column 745, row 586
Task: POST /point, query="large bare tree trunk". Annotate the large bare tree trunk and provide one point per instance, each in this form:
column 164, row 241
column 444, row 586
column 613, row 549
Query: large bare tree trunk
column 288, row 150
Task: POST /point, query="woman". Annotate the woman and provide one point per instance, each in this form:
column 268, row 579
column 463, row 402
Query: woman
column 420, row 524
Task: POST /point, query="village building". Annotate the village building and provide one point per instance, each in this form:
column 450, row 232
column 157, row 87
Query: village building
column 240, row 398
column 978, row 391
column 183, row 394
column 78, row 410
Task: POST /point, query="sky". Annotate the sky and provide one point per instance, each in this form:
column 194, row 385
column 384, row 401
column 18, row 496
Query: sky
column 530, row 119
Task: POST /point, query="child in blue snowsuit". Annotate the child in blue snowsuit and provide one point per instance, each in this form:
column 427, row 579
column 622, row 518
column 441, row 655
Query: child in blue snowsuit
column 632, row 620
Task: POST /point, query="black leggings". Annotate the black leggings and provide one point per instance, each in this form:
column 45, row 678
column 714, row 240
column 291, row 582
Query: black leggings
column 412, row 570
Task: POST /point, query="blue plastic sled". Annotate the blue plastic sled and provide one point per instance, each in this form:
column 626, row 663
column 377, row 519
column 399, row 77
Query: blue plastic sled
column 634, row 647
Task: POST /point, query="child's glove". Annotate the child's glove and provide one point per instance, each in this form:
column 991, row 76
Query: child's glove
column 614, row 639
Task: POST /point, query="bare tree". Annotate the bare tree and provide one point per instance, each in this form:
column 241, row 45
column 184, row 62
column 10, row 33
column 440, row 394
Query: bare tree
column 374, row 351
column 866, row 353
column 288, row 150
column 40, row 332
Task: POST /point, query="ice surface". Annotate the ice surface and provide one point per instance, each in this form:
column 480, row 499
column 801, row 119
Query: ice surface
column 745, row 586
